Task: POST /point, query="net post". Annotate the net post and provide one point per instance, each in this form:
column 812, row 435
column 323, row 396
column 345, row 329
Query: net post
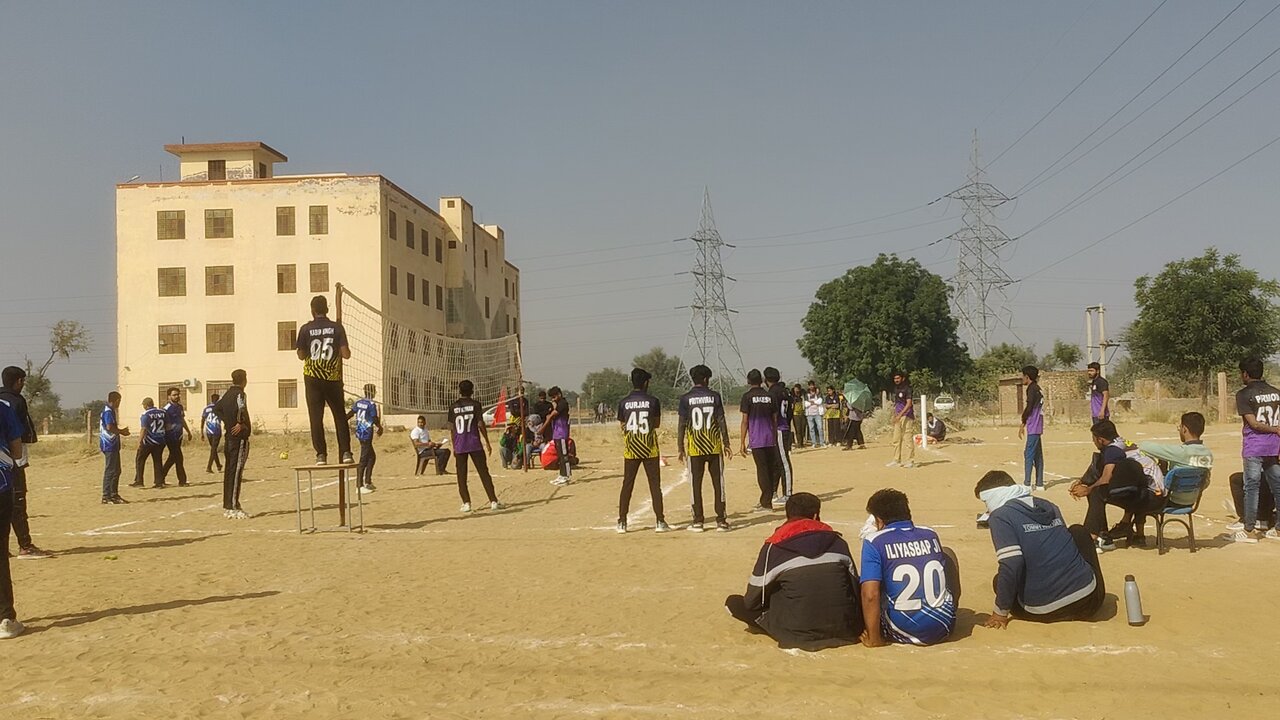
column 337, row 303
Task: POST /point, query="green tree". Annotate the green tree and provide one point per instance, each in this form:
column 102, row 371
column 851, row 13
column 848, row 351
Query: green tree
column 66, row 338
column 874, row 319
column 42, row 402
column 1064, row 356
column 980, row 383
column 1203, row 314
column 608, row 385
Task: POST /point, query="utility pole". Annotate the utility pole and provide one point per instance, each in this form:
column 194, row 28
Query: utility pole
column 710, row 341
column 979, row 282
column 1100, row 313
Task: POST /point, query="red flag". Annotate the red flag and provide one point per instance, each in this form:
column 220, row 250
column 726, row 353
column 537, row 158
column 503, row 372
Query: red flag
column 500, row 414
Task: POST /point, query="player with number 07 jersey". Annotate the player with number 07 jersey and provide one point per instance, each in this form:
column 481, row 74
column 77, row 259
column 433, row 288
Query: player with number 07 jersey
column 640, row 414
column 466, row 423
column 703, row 436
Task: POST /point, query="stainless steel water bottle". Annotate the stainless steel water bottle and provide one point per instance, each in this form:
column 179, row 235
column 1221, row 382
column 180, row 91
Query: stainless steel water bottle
column 1133, row 602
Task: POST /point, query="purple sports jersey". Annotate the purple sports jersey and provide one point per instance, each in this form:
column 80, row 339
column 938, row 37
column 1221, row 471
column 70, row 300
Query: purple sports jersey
column 762, row 411
column 1262, row 401
column 465, row 418
column 902, row 394
column 560, row 426
column 1097, row 386
column 1034, row 417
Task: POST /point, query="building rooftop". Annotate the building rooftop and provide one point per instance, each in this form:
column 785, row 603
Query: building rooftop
column 181, row 150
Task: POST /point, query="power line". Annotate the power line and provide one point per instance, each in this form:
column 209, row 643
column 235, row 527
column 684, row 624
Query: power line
column 1077, row 85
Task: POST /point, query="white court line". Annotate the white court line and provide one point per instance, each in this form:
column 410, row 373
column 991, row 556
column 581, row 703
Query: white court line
column 103, row 530
column 647, row 505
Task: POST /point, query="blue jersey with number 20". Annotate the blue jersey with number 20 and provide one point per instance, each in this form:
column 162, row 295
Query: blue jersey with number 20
column 917, row 607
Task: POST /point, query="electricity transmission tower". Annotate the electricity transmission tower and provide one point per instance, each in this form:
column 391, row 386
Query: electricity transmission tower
column 978, row 287
column 710, row 340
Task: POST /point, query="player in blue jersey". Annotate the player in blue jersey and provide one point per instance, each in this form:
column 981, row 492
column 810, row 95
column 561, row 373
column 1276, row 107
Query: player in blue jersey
column 11, row 455
column 782, row 399
column 211, row 429
column 368, row 424
column 466, row 423
column 176, row 415
column 109, row 432
column 760, row 434
column 909, row 580
column 153, row 424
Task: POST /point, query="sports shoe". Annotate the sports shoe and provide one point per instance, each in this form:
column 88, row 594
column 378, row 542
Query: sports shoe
column 1105, row 544
column 695, row 527
column 367, row 488
column 239, row 514
column 227, row 514
column 160, row 486
column 106, row 501
column 892, row 463
column 781, row 500
column 10, row 629
column 621, row 528
column 560, row 480
column 466, row 508
column 347, row 458
column 1235, row 527
column 117, row 500
column 183, row 484
column 982, row 520
column 33, row 553
column 322, row 459
column 1241, row 536
column 136, row 484
column 1272, row 534
column 495, row 505
column 1040, row 487
column 722, row 526
column 908, row 464
column 760, row 508
column 661, row 527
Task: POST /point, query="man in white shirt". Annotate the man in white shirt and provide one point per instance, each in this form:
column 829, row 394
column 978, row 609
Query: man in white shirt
column 427, row 450
column 814, row 407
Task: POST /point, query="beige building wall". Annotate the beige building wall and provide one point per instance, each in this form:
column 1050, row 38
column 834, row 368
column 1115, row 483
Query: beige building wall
column 359, row 250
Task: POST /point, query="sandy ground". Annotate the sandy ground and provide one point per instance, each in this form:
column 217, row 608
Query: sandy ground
column 163, row 608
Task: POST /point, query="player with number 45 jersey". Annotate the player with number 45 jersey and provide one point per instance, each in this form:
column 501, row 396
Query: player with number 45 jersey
column 703, row 435
column 909, row 580
column 640, row 414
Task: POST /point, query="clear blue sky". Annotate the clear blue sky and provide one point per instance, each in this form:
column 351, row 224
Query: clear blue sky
column 587, row 125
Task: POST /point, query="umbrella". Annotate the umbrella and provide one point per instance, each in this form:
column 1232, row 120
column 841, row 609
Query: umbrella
column 858, row 395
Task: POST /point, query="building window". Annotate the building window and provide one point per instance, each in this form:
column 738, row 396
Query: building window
column 285, row 222
column 171, row 224
column 319, row 277
column 439, row 250
column 486, row 258
column 286, row 335
column 287, row 393
column 506, row 288
column 220, row 337
column 219, row 280
column 426, row 292
column 486, row 308
column 172, row 282
column 217, row 169
column 439, row 297
column 424, row 242
column 408, row 234
column 173, row 339
column 453, row 244
column 451, row 203
column 215, row 387
column 515, row 325
column 410, row 286
column 218, row 224
column 394, row 281
column 391, row 225
column 286, row 279
column 318, row 219
column 262, row 170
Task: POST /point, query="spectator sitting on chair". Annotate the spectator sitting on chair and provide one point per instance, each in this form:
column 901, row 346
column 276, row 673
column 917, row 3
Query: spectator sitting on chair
column 804, row 588
column 937, row 430
column 1047, row 571
column 427, row 450
column 1122, row 476
column 910, row 583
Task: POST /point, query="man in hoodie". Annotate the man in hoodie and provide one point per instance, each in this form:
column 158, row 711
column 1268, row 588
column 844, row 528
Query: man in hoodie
column 804, row 588
column 1047, row 571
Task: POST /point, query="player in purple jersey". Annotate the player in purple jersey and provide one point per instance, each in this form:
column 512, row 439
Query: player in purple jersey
column 760, row 434
column 557, row 419
column 782, row 478
column 466, row 422
column 153, row 424
column 904, row 411
column 1258, row 404
column 1099, row 393
column 909, row 581
column 1033, row 427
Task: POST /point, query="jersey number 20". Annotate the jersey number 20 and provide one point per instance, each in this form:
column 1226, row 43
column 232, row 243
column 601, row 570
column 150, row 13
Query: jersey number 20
column 934, row 586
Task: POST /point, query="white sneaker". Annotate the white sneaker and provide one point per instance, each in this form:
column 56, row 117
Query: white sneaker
column 891, row 463
column 238, row 515
column 227, row 514
column 466, row 508
column 621, row 528
column 695, row 527
column 560, row 480
column 1272, row 534
column 495, row 505
column 1235, row 527
column 10, row 629
column 1241, row 536
column 908, row 464
column 366, row 489
column 661, row 527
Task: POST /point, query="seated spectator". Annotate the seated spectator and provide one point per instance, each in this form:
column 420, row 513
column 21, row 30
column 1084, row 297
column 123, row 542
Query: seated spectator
column 1123, row 476
column 803, row 590
column 909, row 581
column 936, row 429
column 512, row 447
column 428, row 450
column 1047, row 571
column 1191, row 453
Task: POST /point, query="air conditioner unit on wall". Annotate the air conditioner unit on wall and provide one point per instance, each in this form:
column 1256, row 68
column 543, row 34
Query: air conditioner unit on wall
column 191, row 383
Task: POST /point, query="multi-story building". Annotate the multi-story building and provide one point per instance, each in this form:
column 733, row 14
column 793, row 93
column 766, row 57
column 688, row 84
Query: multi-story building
column 216, row 271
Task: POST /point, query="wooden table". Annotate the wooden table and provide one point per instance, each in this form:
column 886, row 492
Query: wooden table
column 350, row 504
